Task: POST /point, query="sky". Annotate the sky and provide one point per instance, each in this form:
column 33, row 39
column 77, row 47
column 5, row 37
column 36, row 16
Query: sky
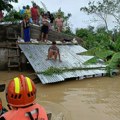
column 78, row 19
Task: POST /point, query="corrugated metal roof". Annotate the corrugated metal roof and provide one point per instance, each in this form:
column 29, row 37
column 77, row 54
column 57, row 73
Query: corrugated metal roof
column 37, row 54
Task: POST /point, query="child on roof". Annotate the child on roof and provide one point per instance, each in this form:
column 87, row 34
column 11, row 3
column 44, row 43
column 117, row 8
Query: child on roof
column 53, row 52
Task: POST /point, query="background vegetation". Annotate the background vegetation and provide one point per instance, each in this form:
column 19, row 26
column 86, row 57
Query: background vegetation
column 6, row 4
column 100, row 42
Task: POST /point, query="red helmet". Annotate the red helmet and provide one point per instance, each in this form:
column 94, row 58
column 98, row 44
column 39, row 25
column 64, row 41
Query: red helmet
column 21, row 92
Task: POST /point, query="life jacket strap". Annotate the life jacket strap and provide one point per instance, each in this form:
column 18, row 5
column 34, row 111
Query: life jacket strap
column 30, row 114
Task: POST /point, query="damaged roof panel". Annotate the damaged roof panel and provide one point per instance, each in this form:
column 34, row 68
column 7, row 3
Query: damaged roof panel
column 37, row 54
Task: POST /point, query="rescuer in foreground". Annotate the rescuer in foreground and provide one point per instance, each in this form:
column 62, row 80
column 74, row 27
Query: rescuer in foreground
column 21, row 95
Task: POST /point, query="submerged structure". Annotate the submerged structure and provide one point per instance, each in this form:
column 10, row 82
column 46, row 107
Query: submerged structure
column 72, row 65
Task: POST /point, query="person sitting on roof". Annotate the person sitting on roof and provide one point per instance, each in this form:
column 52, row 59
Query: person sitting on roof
column 53, row 52
column 21, row 95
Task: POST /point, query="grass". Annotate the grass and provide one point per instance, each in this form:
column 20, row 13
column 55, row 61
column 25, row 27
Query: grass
column 52, row 70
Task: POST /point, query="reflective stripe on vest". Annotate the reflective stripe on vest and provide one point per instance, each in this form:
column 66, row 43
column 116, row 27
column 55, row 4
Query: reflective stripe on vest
column 32, row 112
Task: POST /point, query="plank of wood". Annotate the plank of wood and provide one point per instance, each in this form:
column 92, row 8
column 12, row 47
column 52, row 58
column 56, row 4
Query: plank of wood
column 13, row 56
column 12, row 66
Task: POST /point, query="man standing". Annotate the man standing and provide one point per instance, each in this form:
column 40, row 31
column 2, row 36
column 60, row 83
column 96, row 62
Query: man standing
column 35, row 14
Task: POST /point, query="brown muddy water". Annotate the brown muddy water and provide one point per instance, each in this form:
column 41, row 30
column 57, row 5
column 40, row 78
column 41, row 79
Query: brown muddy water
column 87, row 99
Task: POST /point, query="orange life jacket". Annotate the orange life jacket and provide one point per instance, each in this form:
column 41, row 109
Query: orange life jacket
column 34, row 112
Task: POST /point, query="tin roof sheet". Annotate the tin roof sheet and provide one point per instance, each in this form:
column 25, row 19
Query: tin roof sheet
column 37, row 54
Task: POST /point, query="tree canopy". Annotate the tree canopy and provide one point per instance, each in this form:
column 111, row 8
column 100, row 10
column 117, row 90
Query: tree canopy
column 6, row 4
column 103, row 9
column 103, row 45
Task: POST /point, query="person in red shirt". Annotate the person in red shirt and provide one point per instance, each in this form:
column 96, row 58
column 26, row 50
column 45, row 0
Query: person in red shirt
column 35, row 14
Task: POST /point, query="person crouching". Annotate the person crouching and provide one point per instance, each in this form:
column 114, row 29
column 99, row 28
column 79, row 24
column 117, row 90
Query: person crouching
column 53, row 52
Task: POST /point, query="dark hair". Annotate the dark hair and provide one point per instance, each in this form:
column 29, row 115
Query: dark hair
column 27, row 6
column 34, row 4
column 24, row 7
column 53, row 43
column 48, row 12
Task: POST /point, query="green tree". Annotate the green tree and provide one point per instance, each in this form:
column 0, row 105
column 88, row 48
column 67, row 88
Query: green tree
column 88, row 37
column 6, row 4
column 103, row 9
column 102, row 46
column 13, row 16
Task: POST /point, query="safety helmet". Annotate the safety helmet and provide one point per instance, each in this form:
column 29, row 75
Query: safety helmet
column 21, row 92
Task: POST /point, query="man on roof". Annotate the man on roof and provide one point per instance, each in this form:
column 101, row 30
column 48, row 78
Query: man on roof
column 53, row 52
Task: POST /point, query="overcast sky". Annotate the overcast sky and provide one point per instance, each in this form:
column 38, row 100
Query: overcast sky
column 78, row 20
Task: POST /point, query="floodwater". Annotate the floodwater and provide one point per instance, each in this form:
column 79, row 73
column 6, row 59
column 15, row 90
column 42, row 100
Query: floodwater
column 87, row 99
